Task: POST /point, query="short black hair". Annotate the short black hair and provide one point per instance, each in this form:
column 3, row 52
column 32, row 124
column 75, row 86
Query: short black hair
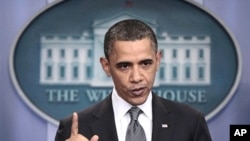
column 128, row 30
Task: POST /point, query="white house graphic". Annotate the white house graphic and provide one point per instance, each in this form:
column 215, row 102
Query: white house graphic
column 74, row 60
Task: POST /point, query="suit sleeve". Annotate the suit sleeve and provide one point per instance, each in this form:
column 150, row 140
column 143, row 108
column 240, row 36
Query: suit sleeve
column 63, row 132
column 202, row 132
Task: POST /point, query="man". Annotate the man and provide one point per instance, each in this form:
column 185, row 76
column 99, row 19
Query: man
column 132, row 60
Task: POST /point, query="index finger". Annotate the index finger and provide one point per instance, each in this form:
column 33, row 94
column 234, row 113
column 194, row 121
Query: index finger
column 74, row 126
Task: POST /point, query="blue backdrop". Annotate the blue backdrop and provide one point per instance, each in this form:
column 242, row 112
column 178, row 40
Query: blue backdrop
column 19, row 122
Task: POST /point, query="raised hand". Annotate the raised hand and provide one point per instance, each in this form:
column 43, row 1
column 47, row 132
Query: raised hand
column 75, row 136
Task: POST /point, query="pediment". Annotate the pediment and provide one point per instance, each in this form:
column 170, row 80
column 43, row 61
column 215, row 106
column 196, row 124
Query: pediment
column 108, row 22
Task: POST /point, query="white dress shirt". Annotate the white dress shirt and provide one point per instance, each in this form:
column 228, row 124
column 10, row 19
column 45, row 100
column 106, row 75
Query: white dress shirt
column 122, row 117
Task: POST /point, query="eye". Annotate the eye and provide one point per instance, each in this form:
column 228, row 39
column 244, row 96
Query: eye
column 146, row 63
column 123, row 66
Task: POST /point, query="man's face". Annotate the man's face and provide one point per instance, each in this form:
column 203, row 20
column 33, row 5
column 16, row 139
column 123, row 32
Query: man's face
column 132, row 65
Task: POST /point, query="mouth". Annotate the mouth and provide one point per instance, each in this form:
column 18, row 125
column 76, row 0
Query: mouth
column 138, row 91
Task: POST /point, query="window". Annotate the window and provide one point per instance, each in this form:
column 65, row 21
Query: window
column 174, row 53
column 188, row 53
column 201, row 54
column 75, row 72
column 187, row 72
column 89, row 53
column 62, row 53
column 201, row 73
column 49, row 71
column 174, row 73
column 49, row 53
column 88, row 72
column 162, row 73
column 75, row 53
column 62, row 72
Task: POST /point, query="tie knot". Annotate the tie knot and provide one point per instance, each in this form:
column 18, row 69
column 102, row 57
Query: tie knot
column 134, row 112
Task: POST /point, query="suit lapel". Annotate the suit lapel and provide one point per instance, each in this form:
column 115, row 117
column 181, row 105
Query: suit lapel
column 104, row 126
column 163, row 121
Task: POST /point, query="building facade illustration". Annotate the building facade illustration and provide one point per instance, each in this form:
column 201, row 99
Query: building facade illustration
column 74, row 59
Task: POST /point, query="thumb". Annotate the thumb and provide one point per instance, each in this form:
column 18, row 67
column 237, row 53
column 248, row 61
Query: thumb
column 94, row 138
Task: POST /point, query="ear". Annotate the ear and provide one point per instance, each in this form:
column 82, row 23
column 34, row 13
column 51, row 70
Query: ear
column 158, row 59
column 105, row 65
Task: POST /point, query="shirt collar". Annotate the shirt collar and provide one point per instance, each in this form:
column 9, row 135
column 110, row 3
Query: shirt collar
column 120, row 106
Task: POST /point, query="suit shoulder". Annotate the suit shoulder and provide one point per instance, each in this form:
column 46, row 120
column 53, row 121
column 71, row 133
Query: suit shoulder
column 181, row 109
column 90, row 112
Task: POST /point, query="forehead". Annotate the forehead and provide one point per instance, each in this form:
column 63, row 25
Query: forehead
column 132, row 49
column 129, row 46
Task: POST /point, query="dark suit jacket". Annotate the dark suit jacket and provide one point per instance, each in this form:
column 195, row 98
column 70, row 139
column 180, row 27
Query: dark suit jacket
column 184, row 123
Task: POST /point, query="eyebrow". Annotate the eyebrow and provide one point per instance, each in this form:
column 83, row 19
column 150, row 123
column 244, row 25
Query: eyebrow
column 146, row 60
column 129, row 63
column 122, row 63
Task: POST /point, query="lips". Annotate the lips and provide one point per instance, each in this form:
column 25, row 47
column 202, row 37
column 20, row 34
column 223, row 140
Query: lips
column 138, row 91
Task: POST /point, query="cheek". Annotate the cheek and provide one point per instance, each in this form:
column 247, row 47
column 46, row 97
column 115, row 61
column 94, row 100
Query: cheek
column 150, row 76
column 120, row 79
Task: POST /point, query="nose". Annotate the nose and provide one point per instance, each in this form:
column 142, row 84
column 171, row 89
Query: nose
column 135, row 76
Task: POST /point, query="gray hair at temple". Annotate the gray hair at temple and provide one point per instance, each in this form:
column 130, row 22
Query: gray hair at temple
column 128, row 30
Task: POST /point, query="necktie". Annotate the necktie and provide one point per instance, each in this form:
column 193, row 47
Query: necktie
column 135, row 131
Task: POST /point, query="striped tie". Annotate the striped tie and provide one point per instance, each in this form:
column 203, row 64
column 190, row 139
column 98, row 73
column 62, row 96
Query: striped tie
column 135, row 131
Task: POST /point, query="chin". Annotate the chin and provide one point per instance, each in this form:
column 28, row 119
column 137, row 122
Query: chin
column 137, row 102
